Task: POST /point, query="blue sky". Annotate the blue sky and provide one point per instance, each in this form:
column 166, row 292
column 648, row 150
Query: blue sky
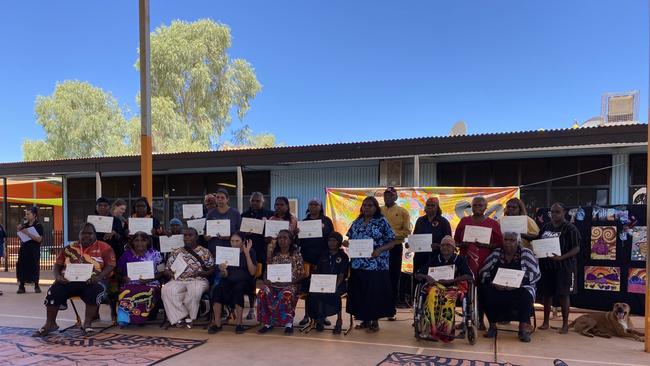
column 335, row 71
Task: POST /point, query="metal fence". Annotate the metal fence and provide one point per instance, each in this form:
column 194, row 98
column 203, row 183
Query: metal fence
column 51, row 246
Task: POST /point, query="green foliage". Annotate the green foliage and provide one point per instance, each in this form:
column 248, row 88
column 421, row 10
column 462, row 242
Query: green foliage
column 196, row 88
column 79, row 120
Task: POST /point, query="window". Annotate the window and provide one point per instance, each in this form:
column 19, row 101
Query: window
column 601, row 177
column 506, row 173
column 561, row 167
column 477, row 174
column 450, row 174
column 638, row 169
column 533, row 171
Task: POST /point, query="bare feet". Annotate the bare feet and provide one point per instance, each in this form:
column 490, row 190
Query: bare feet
column 544, row 326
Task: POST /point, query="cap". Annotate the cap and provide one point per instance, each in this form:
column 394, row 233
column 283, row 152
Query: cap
column 222, row 191
column 175, row 221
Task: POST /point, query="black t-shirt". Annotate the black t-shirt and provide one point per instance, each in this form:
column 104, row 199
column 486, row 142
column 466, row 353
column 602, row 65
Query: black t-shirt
column 333, row 263
column 258, row 239
column 240, row 273
column 569, row 239
column 39, row 229
column 437, row 260
column 311, row 249
column 438, row 229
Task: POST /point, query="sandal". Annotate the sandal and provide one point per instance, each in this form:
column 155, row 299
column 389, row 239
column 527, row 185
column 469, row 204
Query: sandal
column 42, row 332
column 88, row 331
column 491, row 332
column 363, row 325
column 373, row 328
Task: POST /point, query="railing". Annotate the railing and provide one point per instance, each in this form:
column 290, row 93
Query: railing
column 51, row 246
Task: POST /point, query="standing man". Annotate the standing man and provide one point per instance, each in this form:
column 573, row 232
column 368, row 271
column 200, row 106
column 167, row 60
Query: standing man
column 400, row 221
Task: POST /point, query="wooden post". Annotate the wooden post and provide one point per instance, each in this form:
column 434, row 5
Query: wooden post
column 146, row 165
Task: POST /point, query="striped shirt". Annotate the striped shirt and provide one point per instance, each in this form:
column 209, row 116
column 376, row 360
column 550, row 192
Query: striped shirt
column 524, row 259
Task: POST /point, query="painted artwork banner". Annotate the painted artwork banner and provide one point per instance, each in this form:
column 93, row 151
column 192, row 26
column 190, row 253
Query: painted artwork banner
column 343, row 204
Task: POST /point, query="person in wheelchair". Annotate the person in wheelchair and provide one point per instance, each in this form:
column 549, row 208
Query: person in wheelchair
column 336, row 262
column 437, row 322
column 500, row 302
column 234, row 283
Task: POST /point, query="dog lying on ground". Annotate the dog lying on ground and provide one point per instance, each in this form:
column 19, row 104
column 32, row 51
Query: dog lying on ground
column 612, row 323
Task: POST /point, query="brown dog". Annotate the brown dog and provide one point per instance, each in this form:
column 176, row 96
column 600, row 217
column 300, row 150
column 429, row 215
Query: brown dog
column 612, row 323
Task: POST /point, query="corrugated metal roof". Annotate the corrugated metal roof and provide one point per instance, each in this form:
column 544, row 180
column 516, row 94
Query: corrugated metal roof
column 476, row 143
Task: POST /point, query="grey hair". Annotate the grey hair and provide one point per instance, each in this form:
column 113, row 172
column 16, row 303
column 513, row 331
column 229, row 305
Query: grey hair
column 480, row 198
column 257, row 194
column 511, row 233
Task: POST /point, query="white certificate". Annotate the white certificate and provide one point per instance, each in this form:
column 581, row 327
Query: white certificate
column 514, row 224
column 509, row 277
column 217, row 228
column 227, row 255
column 140, row 270
column 144, row 224
column 192, row 211
column 102, row 224
column 442, row 272
column 252, row 226
column 169, row 243
column 179, row 266
column 78, row 272
column 310, row 229
column 198, row 224
column 279, row 272
column 361, row 248
column 544, row 248
column 323, row 283
column 24, row 238
column 420, row 242
column 477, row 234
column 273, row 227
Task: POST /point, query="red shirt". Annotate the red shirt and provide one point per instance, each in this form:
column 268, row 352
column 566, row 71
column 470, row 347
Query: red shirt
column 99, row 254
column 476, row 255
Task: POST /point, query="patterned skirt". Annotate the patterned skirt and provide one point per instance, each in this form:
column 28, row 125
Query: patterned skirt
column 437, row 321
column 277, row 306
column 135, row 302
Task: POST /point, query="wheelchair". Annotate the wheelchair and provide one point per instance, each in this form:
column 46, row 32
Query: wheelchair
column 466, row 327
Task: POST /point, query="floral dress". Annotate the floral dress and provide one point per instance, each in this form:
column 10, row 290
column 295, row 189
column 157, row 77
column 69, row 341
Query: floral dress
column 136, row 299
column 276, row 305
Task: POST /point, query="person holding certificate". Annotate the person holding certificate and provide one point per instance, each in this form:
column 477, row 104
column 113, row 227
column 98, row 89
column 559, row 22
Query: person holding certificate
column 400, row 221
column 500, row 301
column 234, row 284
column 515, row 207
column 256, row 211
column 189, row 269
column 142, row 209
column 138, row 296
column 175, row 227
column 276, row 305
column 446, row 275
column 370, row 294
column 88, row 254
column 560, row 271
column 222, row 212
column 476, row 252
column 431, row 223
column 334, row 262
column 312, row 248
column 29, row 255
column 117, row 237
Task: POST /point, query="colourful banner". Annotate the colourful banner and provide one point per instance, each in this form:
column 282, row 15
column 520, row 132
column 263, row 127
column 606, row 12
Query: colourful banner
column 344, row 204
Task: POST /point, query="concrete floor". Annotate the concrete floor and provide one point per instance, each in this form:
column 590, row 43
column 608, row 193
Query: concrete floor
column 357, row 348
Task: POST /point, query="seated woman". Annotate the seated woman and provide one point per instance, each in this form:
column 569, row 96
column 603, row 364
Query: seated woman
column 138, row 297
column 437, row 322
column 182, row 294
column 234, row 283
column 335, row 262
column 501, row 301
column 88, row 250
column 276, row 304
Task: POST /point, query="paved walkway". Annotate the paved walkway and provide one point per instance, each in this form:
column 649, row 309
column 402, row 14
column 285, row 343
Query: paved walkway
column 357, row 348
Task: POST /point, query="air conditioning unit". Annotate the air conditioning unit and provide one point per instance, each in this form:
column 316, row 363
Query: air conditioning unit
column 620, row 107
column 390, row 173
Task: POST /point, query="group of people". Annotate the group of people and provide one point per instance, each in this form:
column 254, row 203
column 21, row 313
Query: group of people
column 187, row 274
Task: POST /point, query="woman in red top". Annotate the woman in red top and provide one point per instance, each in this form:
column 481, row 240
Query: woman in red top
column 476, row 252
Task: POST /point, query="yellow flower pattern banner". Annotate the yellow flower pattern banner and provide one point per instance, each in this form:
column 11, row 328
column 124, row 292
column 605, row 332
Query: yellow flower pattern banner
column 343, row 204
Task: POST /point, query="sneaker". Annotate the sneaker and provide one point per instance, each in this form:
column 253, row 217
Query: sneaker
column 327, row 322
column 320, row 326
column 288, row 330
column 21, row 290
column 37, row 290
column 213, row 329
column 491, row 332
column 304, row 321
column 240, row 329
column 524, row 336
column 265, row 329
